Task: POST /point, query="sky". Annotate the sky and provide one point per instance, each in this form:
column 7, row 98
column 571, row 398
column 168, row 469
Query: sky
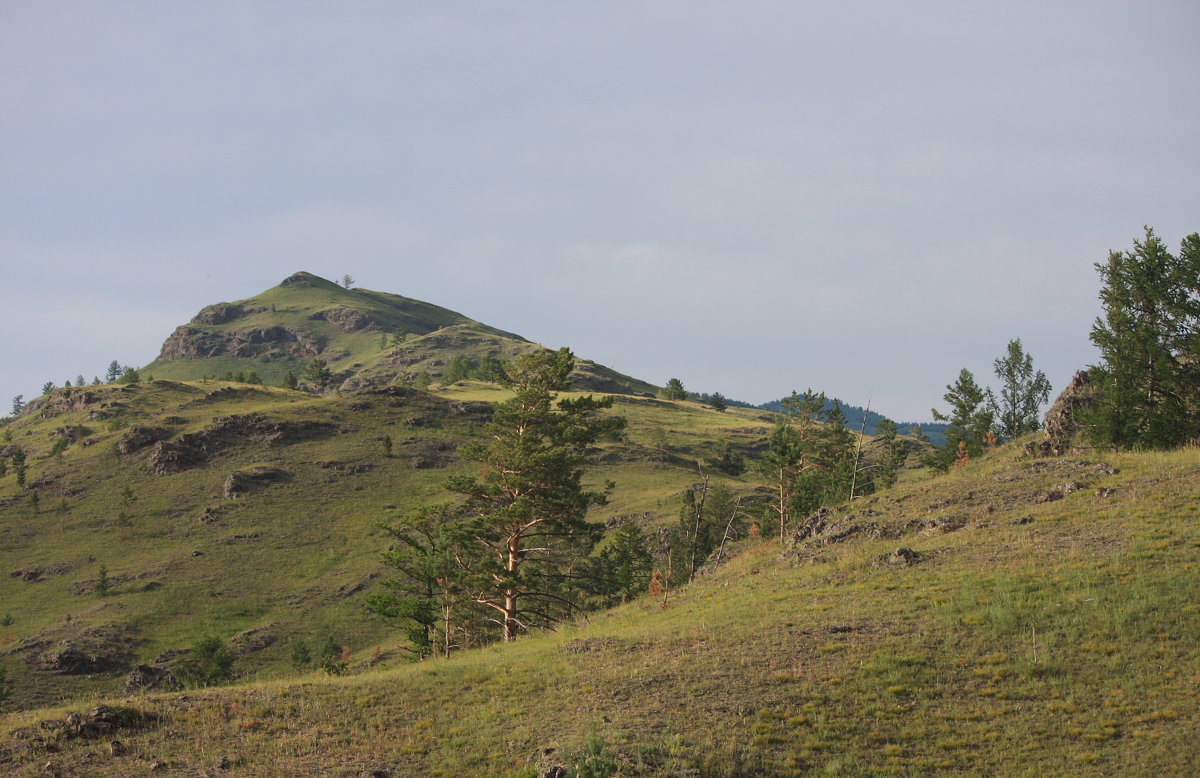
column 754, row 197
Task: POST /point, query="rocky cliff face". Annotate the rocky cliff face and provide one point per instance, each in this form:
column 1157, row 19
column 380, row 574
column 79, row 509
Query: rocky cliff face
column 191, row 342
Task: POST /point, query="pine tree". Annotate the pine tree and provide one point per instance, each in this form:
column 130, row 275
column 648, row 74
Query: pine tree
column 1022, row 393
column 113, row 372
column 887, row 455
column 624, row 566
column 318, row 375
column 528, row 504
column 970, row 421
column 18, row 404
column 1148, row 383
column 792, row 451
column 425, row 592
column 718, row 402
column 674, row 390
column 18, row 460
column 101, row 587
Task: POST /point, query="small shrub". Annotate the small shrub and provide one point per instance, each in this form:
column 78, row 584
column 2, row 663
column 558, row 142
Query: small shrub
column 209, row 664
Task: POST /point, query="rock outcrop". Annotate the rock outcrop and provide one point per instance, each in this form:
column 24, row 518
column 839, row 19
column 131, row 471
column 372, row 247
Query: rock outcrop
column 1062, row 423
column 239, row 483
column 347, row 319
column 269, row 343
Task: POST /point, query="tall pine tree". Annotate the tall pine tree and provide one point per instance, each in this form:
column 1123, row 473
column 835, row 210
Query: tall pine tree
column 528, row 504
column 1148, row 383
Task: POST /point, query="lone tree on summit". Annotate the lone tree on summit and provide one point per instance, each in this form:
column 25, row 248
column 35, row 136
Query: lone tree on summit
column 528, row 507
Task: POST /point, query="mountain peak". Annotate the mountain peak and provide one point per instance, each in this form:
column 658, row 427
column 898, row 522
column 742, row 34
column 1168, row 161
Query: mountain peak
column 305, row 279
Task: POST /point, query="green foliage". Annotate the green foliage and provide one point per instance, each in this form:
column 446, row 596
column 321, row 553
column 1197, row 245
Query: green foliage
column 485, row 369
column 831, row 456
column 426, row 592
column 3, row 466
column 674, row 390
column 694, row 537
column 102, row 585
column 18, row 461
column 387, row 445
column 347, row 281
column 595, row 761
column 318, row 375
column 301, row 654
column 970, row 422
column 528, row 505
column 18, row 404
column 624, row 566
column 1148, row 382
column 335, row 658
column 113, row 372
column 1022, row 393
column 728, row 460
column 130, row 376
column 709, row 516
column 209, row 664
column 886, row 456
column 791, row 450
column 48, row 387
column 290, row 381
column 58, row 447
column 718, row 402
column 5, row 686
column 35, row 500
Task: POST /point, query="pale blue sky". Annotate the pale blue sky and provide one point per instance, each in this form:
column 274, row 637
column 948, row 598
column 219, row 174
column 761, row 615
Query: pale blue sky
column 754, row 197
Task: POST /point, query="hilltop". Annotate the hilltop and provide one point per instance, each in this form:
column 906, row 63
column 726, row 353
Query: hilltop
column 366, row 338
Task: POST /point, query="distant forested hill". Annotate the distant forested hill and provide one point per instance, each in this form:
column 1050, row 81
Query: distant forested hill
column 936, row 432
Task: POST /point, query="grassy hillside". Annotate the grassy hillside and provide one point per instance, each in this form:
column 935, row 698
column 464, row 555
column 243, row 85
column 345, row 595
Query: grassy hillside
column 367, row 338
column 250, row 513
column 1041, row 620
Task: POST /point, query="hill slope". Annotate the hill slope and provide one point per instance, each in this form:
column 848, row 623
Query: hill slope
column 1016, row 617
column 367, row 338
column 250, row 513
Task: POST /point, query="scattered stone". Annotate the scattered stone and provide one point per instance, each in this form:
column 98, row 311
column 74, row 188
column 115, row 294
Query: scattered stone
column 254, row 639
column 147, row 677
column 238, row 483
column 116, row 748
column 901, row 557
column 941, row 526
column 1024, row 520
column 588, row 645
column 375, row 772
column 1105, row 491
column 157, row 765
column 554, row 771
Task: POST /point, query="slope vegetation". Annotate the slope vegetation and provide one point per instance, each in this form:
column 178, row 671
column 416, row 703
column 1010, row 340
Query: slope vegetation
column 1016, row 617
column 250, row 513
